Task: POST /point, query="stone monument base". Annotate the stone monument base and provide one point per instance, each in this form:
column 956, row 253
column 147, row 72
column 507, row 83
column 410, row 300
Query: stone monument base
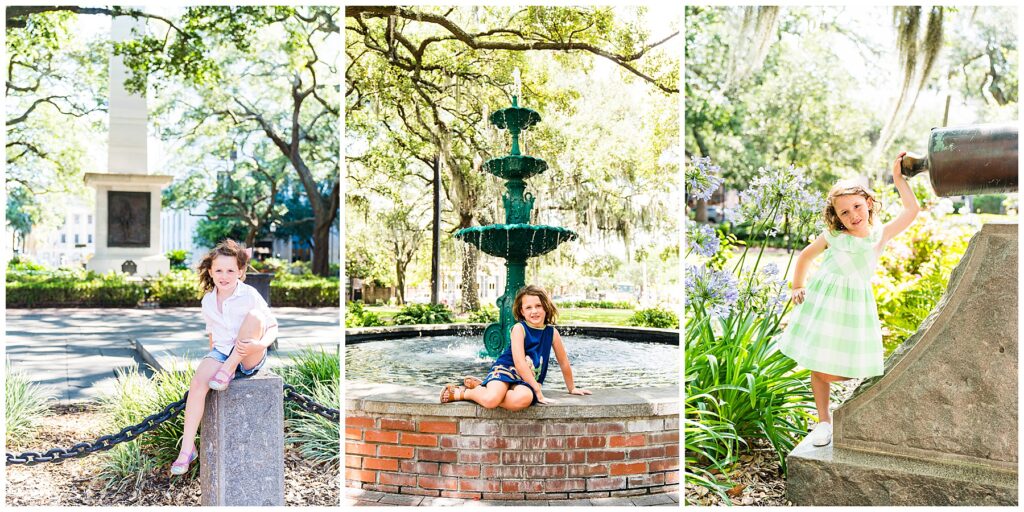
column 150, row 265
column 242, row 443
column 940, row 426
column 824, row 476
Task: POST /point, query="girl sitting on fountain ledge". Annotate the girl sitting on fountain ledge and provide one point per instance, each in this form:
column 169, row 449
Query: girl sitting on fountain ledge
column 514, row 382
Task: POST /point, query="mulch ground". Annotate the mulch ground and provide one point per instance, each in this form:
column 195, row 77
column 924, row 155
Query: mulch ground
column 74, row 482
column 757, row 475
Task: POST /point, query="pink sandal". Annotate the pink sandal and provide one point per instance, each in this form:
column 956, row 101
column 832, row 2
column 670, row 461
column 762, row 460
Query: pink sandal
column 221, row 380
column 180, row 468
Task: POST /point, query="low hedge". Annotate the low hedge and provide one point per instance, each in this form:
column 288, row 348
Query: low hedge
column 305, row 293
column 173, row 289
column 111, row 290
column 596, row 304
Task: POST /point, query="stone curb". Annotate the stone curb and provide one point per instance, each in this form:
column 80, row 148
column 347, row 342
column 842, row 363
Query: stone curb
column 363, row 334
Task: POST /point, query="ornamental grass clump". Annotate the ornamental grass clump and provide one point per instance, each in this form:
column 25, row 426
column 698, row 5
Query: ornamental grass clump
column 739, row 387
column 315, row 373
column 26, row 404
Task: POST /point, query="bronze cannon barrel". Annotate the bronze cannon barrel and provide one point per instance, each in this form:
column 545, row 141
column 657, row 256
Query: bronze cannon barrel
column 968, row 160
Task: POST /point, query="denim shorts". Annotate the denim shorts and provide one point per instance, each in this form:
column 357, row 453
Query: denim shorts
column 220, row 356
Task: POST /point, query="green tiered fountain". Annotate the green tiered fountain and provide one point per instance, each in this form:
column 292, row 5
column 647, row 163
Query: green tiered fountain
column 516, row 240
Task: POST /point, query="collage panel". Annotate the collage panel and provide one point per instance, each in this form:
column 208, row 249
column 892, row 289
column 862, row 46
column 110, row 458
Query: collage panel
column 172, row 256
column 512, row 278
column 851, row 309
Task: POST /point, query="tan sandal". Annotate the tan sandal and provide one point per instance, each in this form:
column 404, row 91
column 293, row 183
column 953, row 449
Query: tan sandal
column 471, row 382
column 448, row 393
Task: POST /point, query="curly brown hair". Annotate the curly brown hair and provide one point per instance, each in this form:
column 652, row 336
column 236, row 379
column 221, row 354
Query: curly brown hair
column 550, row 311
column 226, row 248
column 845, row 188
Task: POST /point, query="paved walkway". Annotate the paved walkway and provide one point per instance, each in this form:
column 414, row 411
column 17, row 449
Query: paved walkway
column 73, row 353
column 361, row 498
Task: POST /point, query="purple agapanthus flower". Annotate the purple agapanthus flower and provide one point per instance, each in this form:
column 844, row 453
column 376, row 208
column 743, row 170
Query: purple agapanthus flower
column 701, row 177
column 702, row 239
column 714, row 290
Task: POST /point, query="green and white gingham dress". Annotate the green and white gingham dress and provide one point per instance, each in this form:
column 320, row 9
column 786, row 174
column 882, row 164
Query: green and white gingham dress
column 836, row 329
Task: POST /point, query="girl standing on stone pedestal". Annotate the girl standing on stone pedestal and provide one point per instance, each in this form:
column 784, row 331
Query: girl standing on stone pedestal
column 835, row 331
column 514, row 382
column 240, row 328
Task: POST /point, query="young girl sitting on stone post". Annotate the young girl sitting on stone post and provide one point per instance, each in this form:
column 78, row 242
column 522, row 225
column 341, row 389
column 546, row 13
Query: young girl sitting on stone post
column 835, row 331
column 514, row 382
column 240, row 328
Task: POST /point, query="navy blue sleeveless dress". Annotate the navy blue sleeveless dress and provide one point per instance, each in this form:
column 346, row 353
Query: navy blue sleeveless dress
column 537, row 344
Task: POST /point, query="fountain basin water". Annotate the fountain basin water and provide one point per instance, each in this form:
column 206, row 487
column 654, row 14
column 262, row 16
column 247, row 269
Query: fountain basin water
column 621, row 441
column 597, row 363
column 515, row 241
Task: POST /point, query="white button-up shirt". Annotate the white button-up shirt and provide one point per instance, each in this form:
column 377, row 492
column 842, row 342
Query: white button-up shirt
column 224, row 324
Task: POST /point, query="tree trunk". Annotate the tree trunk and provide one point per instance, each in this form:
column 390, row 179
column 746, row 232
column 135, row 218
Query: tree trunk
column 470, row 288
column 400, row 278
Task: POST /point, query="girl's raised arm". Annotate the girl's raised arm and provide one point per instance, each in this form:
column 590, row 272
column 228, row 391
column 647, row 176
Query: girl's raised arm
column 910, row 206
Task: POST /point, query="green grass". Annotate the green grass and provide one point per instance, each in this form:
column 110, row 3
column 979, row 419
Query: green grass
column 565, row 315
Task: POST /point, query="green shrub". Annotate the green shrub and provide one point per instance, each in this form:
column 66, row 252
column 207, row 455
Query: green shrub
column 988, row 203
column 654, row 317
column 315, row 373
column 26, row 404
column 133, row 398
column 311, row 367
column 915, row 270
column 177, row 258
column 176, row 289
column 485, row 315
column 23, row 264
column 413, row 314
column 317, row 437
column 709, row 441
column 66, row 289
column 356, row 315
column 307, row 292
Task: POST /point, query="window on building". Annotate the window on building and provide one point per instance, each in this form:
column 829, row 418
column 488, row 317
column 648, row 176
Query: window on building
column 89, row 219
column 89, row 238
column 76, row 238
column 63, row 238
column 78, row 219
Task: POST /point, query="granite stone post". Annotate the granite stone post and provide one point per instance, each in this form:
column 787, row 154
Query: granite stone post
column 940, row 426
column 242, row 443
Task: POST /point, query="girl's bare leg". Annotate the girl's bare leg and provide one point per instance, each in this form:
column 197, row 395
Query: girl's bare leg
column 821, row 385
column 195, row 404
column 252, row 329
column 517, row 398
column 489, row 396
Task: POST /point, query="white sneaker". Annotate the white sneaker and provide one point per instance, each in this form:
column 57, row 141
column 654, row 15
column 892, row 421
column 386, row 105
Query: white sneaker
column 822, row 434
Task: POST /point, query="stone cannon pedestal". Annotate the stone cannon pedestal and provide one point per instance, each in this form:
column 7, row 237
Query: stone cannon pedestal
column 940, row 426
column 242, row 443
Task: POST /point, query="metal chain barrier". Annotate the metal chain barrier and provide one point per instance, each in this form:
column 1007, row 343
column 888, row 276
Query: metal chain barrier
column 103, row 443
column 151, row 422
column 310, row 405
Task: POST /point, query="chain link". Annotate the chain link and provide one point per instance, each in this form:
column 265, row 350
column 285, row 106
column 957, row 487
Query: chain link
column 310, row 405
column 151, row 422
column 102, row 443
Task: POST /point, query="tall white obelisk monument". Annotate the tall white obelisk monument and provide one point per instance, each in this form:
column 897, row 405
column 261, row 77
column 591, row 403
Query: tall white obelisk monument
column 127, row 196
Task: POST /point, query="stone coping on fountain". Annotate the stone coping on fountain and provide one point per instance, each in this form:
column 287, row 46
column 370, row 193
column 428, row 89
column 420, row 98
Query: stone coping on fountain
column 604, row 403
column 645, row 334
